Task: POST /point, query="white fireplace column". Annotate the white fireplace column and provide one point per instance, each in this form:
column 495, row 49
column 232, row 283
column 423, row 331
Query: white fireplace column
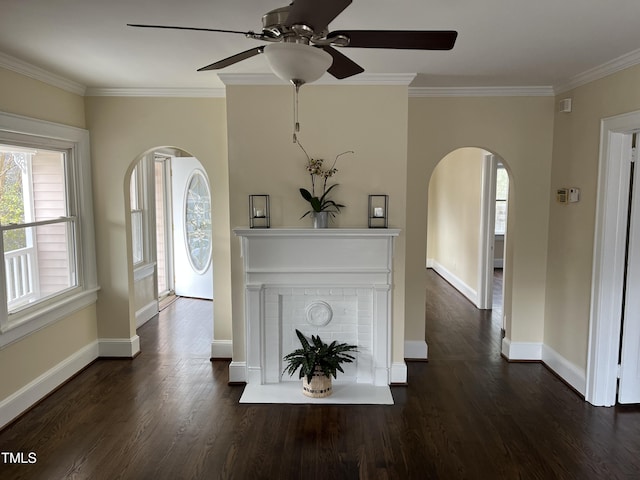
column 336, row 283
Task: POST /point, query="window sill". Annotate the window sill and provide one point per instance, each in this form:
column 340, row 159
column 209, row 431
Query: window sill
column 40, row 318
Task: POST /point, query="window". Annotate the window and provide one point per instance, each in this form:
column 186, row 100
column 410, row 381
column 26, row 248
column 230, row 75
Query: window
column 502, row 195
column 197, row 215
column 46, row 238
column 38, row 225
column 137, row 189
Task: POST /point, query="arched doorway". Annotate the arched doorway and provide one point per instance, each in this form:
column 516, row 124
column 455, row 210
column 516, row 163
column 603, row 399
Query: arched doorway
column 467, row 221
column 168, row 201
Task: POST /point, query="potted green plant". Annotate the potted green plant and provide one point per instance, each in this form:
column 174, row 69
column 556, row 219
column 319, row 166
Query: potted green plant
column 318, row 362
column 321, row 205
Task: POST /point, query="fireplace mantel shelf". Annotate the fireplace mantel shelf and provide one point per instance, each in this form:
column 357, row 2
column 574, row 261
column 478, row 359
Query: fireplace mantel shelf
column 316, row 232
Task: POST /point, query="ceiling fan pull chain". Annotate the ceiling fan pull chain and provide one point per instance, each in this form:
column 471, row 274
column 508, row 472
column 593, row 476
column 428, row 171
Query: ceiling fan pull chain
column 296, row 123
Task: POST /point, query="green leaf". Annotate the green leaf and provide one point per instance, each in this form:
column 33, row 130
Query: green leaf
column 306, row 194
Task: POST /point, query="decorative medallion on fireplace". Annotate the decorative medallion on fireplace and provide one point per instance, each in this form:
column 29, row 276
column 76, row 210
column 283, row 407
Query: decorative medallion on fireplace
column 319, row 314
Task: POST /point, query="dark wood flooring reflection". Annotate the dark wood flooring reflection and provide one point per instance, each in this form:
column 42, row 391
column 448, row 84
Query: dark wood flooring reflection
column 466, row 414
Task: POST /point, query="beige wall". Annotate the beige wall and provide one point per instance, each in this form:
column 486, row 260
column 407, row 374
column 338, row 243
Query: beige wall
column 370, row 120
column 571, row 227
column 455, row 204
column 519, row 130
column 38, row 352
column 122, row 129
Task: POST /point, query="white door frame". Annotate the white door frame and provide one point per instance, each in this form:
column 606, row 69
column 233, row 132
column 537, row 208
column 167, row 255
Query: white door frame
column 609, row 257
column 487, row 232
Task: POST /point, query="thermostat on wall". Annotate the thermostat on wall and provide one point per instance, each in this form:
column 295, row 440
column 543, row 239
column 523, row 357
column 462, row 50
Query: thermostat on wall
column 562, row 195
column 574, row 195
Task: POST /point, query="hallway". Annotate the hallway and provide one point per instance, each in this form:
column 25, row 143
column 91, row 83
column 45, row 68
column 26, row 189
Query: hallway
column 466, row 414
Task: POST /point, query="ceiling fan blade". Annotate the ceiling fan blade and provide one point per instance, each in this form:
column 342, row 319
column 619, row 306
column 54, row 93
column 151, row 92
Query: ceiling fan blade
column 342, row 66
column 172, row 27
column 401, row 39
column 238, row 57
column 314, row 13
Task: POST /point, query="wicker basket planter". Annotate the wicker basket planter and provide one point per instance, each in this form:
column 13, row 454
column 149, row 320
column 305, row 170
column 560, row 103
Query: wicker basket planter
column 316, row 362
column 319, row 386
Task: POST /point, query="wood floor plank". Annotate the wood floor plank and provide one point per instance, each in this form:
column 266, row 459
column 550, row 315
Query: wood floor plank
column 466, row 414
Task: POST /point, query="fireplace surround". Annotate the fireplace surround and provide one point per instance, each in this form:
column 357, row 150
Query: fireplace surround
column 335, row 283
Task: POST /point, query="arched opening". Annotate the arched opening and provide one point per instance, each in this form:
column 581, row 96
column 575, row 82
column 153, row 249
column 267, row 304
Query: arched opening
column 467, row 226
column 169, row 237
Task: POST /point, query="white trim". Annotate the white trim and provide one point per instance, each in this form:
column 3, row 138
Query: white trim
column 23, row 68
column 143, row 271
column 221, row 349
column 487, row 232
column 416, row 349
column 362, row 79
column 608, row 258
column 119, row 347
column 23, row 399
column 398, row 373
column 522, row 351
column 534, row 91
column 146, row 313
column 156, row 92
column 617, row 64
column 238, row 372
column 568, row 371
column 457, row 283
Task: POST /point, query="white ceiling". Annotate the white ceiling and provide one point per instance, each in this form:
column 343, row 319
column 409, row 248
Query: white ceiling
column 505, row 43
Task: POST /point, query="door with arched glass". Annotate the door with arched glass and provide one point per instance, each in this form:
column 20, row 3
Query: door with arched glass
column 192, row 229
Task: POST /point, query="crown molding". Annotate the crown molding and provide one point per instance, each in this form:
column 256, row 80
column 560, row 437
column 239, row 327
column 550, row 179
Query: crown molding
column 624, row 61
column 544, row 91
column 156, row 92
column 362, row 79
column 37, row 73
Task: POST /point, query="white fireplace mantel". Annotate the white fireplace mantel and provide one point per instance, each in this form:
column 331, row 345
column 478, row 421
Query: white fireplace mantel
column 335, row 282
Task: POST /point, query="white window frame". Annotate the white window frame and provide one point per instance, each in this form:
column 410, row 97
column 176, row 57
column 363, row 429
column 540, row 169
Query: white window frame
column 19, row 130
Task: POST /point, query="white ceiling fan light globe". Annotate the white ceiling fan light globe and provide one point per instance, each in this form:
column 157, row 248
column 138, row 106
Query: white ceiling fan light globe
column 297, row 62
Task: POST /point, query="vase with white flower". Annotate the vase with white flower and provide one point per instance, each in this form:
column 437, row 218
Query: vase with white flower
column 321, row 206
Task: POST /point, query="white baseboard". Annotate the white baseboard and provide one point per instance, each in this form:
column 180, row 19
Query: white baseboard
column 222, row 349
column 146, row 313
column 568, row 371
column 399, row 372
column 498, row 263
column 430, row 262
column 522, row 351
column 119, row 347
column 238, row 372
column 456, row 282
column 416, row 349
column 12, row 406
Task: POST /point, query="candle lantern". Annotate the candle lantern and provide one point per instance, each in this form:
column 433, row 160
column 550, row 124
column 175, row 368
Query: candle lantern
column 259, row 215
column 378, row 211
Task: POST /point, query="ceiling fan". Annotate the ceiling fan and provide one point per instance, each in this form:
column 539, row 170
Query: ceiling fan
column 301, row 48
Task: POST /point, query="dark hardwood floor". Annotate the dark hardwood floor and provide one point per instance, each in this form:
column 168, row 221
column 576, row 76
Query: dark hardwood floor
column 466, row 414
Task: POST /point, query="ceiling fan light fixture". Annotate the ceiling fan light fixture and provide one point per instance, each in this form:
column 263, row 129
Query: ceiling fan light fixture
column 297, row 63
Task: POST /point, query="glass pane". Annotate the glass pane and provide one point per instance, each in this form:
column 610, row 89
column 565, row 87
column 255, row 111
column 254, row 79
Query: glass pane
column 198, row 222
column 501, row 217
column 48, row 186
column 502, row 184
column 32, row 185
column 42, row 268
column 136, row 236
